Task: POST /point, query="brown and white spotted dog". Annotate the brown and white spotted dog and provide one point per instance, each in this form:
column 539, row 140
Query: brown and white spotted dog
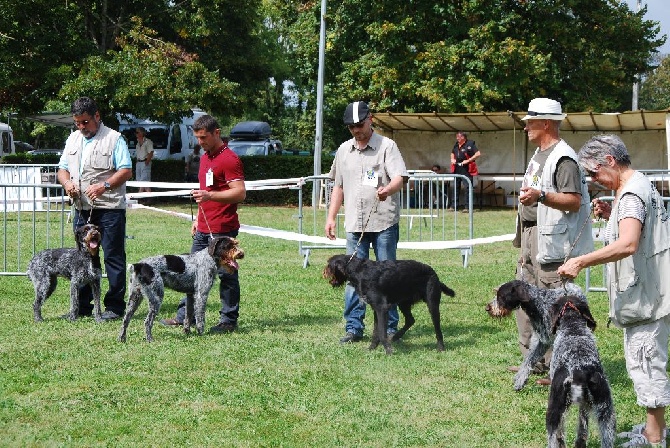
column 192, row 274
column 81, row 265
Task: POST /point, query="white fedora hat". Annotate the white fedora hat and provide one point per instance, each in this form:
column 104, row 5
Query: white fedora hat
column 544, row 109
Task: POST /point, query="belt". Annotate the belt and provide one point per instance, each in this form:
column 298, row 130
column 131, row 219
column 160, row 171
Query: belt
column 526, row 224
column 141, row 160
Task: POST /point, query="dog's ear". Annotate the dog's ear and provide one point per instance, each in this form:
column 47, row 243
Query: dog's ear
column 218, row 245
column 583, row 308
column 555, row 313
column 521, row 290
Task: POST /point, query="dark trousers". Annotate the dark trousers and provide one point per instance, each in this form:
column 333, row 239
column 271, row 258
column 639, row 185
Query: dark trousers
column 112, row 224
column 229, row 286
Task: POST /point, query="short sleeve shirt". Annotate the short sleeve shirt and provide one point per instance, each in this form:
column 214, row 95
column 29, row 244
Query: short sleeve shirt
column 225, row 167
column 359, row 173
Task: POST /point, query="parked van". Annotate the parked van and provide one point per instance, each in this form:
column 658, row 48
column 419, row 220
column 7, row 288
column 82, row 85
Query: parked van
column 174, row 141
column 252, row 138
column 6, row 140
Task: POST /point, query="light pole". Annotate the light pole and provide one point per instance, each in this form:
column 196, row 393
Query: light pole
column 318, row 138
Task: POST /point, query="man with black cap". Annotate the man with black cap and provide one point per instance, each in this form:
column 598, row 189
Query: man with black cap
column 553, row 221
column 368, row 172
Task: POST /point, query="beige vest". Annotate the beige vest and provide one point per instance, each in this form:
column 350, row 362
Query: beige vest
column 557, row 230
column 638, row 285
column 98, row 168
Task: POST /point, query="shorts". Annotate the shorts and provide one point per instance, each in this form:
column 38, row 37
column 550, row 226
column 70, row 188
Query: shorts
column 143, row 172
column 646, row 351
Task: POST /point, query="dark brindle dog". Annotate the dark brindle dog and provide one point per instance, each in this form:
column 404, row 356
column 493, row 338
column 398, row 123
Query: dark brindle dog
column 80, row 265
column 535, row 302
column 192, row 274
column 382, row 284
column 577, row 376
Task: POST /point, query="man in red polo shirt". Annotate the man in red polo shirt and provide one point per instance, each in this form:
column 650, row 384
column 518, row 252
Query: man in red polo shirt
column 221, row 178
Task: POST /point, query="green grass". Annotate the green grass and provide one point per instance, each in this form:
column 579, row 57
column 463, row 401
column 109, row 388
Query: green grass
column 282, row 380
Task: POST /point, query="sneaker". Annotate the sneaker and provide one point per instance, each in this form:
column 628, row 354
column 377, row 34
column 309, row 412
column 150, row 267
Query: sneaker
column 110, row 315
column 640, row 441
column 350, row 337
column 635, row 430
column 223, row 327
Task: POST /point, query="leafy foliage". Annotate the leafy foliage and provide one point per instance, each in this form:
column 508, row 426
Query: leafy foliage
column 655, row 90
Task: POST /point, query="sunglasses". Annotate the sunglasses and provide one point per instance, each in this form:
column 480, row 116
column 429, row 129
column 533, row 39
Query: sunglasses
column 358, row 125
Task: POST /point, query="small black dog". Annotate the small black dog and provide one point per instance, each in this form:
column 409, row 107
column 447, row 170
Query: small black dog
column 577, row 375
column 382, row 284
column 80, row 265
column 193, row 274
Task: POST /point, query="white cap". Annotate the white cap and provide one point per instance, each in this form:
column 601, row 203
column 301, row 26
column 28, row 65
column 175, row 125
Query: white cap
column 544, row 109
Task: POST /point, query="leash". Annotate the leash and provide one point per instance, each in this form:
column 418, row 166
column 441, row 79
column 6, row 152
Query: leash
column 358, row 244
column 581, row 230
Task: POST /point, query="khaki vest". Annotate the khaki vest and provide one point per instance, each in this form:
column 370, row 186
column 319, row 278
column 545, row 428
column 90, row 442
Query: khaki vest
column 98, row 168
column 638, row 286
column 557, row 230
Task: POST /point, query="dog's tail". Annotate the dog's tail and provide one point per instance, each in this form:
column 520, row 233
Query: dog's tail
column 579, row 387
column 447, row 290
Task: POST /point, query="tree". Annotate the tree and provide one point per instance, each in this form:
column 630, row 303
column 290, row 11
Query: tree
column 655, row 89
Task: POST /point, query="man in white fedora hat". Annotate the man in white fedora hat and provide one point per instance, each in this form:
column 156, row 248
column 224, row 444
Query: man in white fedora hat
column 553, row 222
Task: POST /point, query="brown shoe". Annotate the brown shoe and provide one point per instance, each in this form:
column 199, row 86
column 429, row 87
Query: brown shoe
column 514, row 369
column 543, row 381
column 172, row 322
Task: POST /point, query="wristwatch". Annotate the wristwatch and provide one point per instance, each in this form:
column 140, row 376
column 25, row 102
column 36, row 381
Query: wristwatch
column 542, row 196
column 107, row 186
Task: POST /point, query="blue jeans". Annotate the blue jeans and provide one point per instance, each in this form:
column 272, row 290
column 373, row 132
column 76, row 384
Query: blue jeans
column 384, row 244
column 112, row 224
column 229, row 286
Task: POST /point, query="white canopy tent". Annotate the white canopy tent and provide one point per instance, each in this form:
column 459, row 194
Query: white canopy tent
column 427, row 138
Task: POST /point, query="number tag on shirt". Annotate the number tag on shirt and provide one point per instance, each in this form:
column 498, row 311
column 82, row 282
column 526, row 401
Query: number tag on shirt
column 209, row 178
column 371, row 178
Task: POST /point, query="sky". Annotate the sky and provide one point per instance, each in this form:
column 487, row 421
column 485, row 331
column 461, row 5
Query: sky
column 658, row 10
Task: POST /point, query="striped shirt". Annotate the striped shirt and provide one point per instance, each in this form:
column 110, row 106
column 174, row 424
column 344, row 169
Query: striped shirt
column 630, row 206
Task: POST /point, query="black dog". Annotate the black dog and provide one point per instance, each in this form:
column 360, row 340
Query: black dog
column 80, row 265
column 577, row 375
column 193, row 274
column 382, row 284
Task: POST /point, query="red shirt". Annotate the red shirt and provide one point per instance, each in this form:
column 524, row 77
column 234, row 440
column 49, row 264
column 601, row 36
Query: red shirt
column 226, row 167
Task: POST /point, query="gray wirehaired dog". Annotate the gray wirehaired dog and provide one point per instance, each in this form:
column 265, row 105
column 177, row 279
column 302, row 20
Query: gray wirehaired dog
column 193, row 274
column 536, row 303
column 577, row 375
column 81, row 265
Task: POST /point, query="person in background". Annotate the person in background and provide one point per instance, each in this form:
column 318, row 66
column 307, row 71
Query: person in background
column 554, row 197
column 192, row 165
column 144, row 152
column 463, row 154
column 368, row 174
column 637, row 254
column 93, row 170
column 221, row 178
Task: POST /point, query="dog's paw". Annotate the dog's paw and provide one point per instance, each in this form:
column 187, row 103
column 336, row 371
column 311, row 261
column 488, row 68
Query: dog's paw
column 520, row 381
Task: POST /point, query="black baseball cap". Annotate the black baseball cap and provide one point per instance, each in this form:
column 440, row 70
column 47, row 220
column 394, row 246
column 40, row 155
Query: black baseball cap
column 356, row 112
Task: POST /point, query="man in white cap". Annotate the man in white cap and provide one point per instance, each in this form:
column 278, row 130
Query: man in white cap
column 554, row 216
column 369, row 173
